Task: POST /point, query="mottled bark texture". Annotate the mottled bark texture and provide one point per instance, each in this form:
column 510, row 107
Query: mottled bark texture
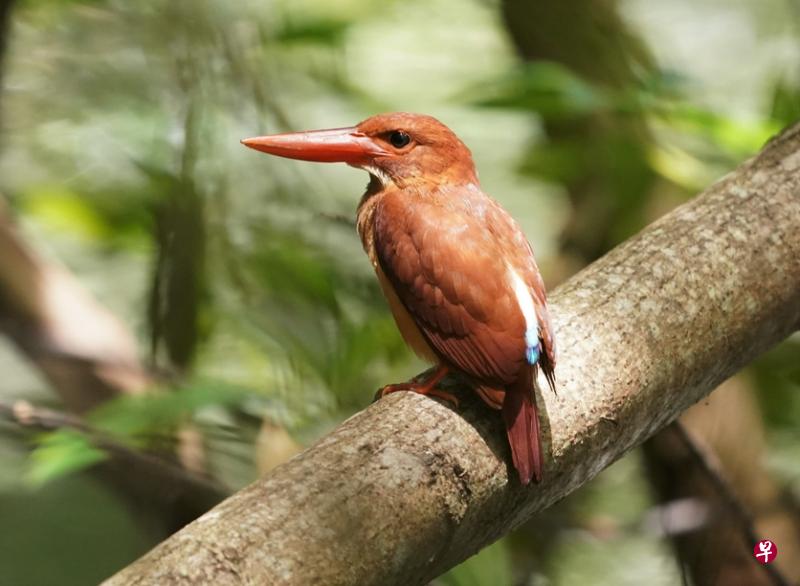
column 408, row 488
column 612, row 187
column 614, row 191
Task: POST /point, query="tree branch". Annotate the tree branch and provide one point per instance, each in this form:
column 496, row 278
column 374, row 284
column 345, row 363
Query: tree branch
column 714, row 456
column 89, row 357
column 408, row 488
column 712, row 468
column 86, row 353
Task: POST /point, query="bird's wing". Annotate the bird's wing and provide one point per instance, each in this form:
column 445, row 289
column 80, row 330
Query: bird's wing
column 451, row 271
column 547, row 360
column 543, row 353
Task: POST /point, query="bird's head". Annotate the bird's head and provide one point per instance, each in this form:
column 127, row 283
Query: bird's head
column 399, row 148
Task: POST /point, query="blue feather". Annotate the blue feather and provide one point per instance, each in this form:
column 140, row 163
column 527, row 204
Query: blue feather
column 532, row 353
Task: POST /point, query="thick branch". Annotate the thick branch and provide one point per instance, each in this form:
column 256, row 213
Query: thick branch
column 408, row 488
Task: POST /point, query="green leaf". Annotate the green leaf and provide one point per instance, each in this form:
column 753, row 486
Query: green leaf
column 64, row 210
column 323, row 31
column 735, row 137
column 144, row 420
column 110, row 218
column 60, row 453
column 785, row 103
column 549, row 89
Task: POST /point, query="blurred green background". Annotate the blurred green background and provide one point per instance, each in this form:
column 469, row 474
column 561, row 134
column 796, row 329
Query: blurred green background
column 237, row 286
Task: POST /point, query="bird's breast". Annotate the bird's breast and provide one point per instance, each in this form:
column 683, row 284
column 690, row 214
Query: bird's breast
column 409, row 330
column 405, row 323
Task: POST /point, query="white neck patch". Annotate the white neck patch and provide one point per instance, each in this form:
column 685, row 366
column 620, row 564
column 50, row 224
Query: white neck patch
column 379, row 174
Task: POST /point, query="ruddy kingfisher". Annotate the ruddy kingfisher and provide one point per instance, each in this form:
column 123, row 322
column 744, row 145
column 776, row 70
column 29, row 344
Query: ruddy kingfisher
column 455, row 267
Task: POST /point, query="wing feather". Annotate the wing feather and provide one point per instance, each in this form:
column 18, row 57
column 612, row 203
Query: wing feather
column 451, row 273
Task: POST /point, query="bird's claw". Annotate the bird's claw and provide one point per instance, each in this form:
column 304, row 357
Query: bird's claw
column 420, row 388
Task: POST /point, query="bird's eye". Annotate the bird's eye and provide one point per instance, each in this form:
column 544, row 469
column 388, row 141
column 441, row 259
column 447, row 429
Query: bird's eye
column 399, row 139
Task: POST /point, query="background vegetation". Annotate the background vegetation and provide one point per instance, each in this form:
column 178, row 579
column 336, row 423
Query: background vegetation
column 256, row 315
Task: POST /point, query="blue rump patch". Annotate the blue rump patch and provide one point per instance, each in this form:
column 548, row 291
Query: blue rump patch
column 533, row 344
column 532, row 354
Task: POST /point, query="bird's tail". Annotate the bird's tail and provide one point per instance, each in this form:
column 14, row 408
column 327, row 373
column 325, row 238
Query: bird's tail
column 522, row 427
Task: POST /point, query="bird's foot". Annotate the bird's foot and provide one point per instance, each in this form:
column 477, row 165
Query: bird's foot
column 420, row 388
column 427, row 387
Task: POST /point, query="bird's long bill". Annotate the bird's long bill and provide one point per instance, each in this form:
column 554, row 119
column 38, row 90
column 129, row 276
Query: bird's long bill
column 337, row 145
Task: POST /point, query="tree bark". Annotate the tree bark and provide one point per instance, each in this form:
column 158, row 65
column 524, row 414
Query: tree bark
column 408, row 488
column 611, row 194
column 608, row 179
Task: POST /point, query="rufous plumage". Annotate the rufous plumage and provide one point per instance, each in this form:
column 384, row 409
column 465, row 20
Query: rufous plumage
column 456, row 268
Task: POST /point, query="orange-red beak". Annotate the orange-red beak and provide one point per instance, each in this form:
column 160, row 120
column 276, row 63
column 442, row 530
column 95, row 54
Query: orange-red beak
column 338, row 145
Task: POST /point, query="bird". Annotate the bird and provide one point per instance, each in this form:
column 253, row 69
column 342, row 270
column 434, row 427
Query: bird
column 457, row 270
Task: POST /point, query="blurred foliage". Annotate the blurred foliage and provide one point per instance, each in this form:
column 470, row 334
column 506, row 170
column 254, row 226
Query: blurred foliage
column 242, row 275
column 73, row 528
column 554, row 93
column 139, row 422
column 779, row 371
column 491, row 565
column 62, row 452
